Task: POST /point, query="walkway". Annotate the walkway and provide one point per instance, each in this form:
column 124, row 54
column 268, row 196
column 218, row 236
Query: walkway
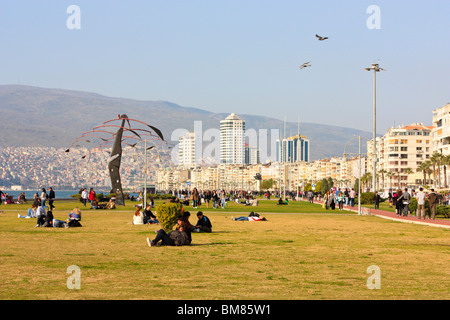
column 443, row 223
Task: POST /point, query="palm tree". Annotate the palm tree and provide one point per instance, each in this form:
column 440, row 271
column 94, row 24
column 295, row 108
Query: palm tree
column 423, row 167
column 407, row 171
column 390, row 175
column 436, row 159
column 445, row 163
column 382, row 172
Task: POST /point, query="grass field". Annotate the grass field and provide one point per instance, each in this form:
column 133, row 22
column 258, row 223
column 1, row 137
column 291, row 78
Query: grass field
column 301, row 252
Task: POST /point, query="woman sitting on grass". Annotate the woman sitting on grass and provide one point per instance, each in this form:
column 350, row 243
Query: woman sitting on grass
column 138, row 217
column 75, row 214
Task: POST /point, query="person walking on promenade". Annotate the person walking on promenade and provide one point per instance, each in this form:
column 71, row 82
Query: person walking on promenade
column 432, row 202
column 377, row 199
column 405, row 198
column 51, row 198
column 327, row 199
column 352, row 196
column 340, row 200
column 420, row 196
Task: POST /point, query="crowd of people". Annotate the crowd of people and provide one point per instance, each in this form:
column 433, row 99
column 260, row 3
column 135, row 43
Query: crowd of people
column 401, row 200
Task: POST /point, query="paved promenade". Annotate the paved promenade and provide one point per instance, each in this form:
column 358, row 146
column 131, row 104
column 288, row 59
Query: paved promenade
column 443, row 223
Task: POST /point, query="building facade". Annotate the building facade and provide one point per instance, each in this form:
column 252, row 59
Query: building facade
column 232, row 140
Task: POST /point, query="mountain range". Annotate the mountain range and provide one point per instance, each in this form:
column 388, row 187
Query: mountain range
column 34, row 116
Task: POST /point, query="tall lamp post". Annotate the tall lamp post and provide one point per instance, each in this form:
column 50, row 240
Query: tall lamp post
column 376, row 68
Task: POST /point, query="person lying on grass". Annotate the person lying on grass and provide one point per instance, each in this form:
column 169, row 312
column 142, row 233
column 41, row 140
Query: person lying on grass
column 179, row 237
column 253, row 216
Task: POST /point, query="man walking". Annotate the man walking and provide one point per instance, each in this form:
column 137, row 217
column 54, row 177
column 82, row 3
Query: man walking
column 420, row 196
column 432, row 202
column 377, row 199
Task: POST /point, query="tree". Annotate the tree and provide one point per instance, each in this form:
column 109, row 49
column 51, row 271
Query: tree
column 324, row 187
column 407, row 171
column 445, row 163
column 436, row 159
column 390, row 175
column 382, row 172
column 424, row 166
column 267, row 184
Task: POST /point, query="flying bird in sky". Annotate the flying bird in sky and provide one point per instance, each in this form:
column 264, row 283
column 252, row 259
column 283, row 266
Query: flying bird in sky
column 321, row 38
column 306, row 64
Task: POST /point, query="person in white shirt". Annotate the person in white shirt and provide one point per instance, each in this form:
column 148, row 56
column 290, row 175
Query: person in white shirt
column 40, row 215
column 84, row 196
column 138, row 217
column 420, row 196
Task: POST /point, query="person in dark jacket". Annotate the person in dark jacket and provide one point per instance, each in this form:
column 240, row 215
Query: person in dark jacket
column 149, row 217
column 377, row 199
column 432, row 202
column 179, row 237
column 51, row 198
column 203, row 223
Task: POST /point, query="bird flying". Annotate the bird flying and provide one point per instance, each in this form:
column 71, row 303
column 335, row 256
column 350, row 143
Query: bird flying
column 321, row 38
column 306, row 64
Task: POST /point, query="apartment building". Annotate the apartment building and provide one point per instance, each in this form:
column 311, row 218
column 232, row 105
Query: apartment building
column 399, row 153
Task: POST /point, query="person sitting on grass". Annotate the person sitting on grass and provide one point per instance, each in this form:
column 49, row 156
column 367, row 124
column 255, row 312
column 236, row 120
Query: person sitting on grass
column 138, row 217
column 186, row 216
column 253, row 216
column 40, row 215
column 179, row 237
column 75, row 214
column 203, row 223
column 111, row 204
column 31, row 212
column 149, row 217
column 281, row 202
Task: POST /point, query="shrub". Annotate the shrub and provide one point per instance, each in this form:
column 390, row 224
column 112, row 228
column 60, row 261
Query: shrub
column 167, row 214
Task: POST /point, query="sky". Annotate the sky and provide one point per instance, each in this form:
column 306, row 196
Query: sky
column 239, row 56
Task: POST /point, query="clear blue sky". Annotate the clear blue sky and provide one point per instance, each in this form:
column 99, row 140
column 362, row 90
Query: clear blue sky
column 239, row 56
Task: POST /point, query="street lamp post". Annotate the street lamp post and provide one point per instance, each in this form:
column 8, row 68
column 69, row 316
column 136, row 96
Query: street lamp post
column 376, row 68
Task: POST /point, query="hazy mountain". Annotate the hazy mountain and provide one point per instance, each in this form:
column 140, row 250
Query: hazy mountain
column 32, row 116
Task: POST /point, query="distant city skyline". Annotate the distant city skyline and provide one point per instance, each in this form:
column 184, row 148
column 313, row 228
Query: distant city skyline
column 223, row 56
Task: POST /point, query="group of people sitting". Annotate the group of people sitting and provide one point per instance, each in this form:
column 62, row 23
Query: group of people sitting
column 181, row 236
column 107, row 205
column 46, row 218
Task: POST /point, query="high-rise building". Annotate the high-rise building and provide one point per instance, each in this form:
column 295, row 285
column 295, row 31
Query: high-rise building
column 293, row 149
column 186, row 150
column 441, row 132
column 232, row 140
column 252, row 155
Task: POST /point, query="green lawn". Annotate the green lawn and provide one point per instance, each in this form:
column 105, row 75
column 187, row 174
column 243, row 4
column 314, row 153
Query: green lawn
column 310, row 255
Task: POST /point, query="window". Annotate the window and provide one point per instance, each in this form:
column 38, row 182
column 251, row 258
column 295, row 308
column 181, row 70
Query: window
column 404, row 149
